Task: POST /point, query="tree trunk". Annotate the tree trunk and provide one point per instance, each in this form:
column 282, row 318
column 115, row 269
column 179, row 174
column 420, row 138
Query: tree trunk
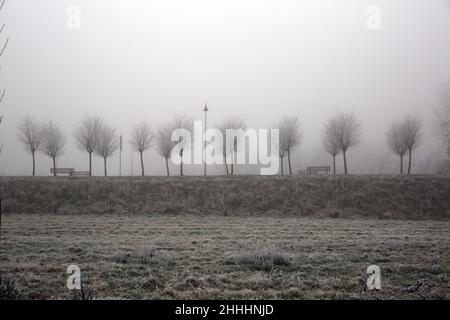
column 345, row 161
column 289, row 161
column 54, row 167
column 282, row 169
column 232, row 169
column 409, row 161
column 181, row 162
column 34, row 163
column 167, row 167
column 104, row 163
column 225, row 162
column 142, row 164
column 401, row 164
column 334, row 164
column 90, row 164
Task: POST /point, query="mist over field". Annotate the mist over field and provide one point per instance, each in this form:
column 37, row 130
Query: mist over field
column 136, row 59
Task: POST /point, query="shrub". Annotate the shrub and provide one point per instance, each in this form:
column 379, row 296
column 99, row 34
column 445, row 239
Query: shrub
column 7, row 289
column 265, row 260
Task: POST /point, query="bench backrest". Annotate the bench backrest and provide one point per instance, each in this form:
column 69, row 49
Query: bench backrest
column 80, row 173
column 318, row 169
column 62, row 170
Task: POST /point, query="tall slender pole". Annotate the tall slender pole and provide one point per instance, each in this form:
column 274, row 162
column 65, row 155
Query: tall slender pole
column 120, row 157
column 205, row 109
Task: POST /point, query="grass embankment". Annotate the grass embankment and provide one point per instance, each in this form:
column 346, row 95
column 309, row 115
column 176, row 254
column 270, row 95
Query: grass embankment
column 391, row 197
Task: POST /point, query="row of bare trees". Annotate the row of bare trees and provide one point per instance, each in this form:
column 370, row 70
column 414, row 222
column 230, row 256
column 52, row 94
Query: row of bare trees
column 403, row 137
column 46, row 137
column 91, row 135
column 341, row 133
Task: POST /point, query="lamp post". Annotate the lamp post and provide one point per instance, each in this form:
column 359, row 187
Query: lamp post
column 205, row 109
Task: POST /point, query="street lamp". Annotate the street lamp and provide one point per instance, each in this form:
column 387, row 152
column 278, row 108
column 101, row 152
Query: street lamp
column 205, row 109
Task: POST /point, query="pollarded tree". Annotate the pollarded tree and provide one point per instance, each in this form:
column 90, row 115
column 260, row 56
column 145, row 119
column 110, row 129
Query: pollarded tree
column 31, row 135
column 291, row 135
column 348, row 133
column 181, row 122
column 142, row 140
column 412, row 135
column 396, row 142
column 230, row 148
column 330, row 141
column 107, row 145
column 53, row 142
column 86, row 135
column 164, row 144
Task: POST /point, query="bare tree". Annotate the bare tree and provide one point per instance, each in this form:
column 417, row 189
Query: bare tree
column 2, row 93
column 330, row 141
column 291, row 135
column 31, row 135
column 142, row 140
column 1, row 31
column 86, row 135
column 412, row 135
column 280, row 145
column 229, row 149
column 107, row 145
column 181, row 122
column 396, row 142
column 53, row 142
column 348, row 133
column 443, row 115
column 164, row 144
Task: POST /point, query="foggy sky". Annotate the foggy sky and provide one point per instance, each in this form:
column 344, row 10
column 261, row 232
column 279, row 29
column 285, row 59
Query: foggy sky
column 259, row 59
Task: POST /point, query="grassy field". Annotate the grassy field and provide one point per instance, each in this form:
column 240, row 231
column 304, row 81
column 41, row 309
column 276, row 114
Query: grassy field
column 202, row 257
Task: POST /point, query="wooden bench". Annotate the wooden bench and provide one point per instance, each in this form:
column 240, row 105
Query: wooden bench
column 318, row 170
column 57, row 171
column 80, row 174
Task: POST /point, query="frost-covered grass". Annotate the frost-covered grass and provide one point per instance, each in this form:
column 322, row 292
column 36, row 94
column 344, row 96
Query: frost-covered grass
column 201, row 257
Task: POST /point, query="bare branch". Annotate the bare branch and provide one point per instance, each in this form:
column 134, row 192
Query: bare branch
column 395, row 139
column 164, row 144
column 142, row 137
column 290, row 132
column 330, row 139
column 3, row 95
column 4, row 47
column 30, row 134
column 412, row 132
column 86, row 133
column 443, row 115
column 231, row 123
column 53, row 140
column 107, row 142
